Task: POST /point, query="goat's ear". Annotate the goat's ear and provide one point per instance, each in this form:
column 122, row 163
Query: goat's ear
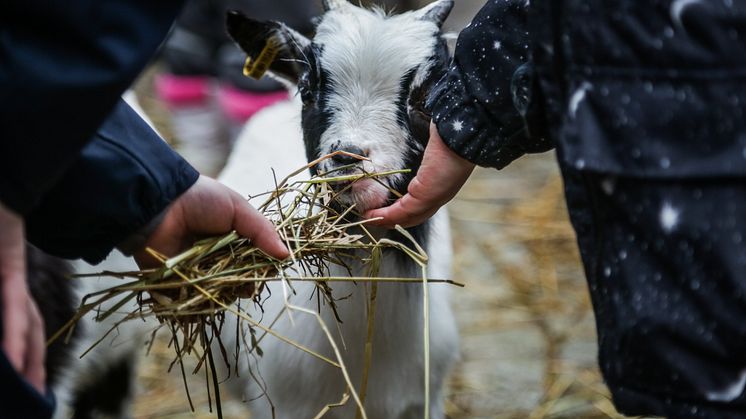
column 270, row 46
column 436, row 12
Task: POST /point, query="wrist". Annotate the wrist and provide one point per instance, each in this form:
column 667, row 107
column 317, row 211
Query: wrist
column 439, row 146
column 137, row 241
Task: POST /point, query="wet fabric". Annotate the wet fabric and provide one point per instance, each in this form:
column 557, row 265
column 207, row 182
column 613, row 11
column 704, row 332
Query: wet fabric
column 645, row 103
column 665, row 260
column 488, row 107
column 652, row 88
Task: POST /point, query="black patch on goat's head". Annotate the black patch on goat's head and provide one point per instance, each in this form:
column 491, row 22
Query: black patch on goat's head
column 363, row 81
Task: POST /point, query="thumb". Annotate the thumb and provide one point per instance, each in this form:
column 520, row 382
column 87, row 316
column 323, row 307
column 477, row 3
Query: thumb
column 249, row 223
column 408, row 211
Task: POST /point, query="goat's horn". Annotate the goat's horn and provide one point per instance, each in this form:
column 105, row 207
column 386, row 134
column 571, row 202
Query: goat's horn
column 333, row 4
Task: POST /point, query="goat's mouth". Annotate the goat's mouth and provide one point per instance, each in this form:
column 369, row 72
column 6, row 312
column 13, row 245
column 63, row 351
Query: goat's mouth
column 364, row 193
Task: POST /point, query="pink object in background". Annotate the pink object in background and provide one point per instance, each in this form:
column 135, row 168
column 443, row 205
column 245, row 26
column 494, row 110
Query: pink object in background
column 182, row 90
column 240, row 105
column 206, row 116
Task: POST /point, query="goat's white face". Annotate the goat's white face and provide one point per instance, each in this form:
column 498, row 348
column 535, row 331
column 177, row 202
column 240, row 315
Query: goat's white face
column 363, row 80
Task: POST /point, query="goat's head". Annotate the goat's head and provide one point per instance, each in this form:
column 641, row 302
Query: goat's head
column 363, row 80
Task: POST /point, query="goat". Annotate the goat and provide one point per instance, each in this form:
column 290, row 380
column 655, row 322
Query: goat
column 361, row 82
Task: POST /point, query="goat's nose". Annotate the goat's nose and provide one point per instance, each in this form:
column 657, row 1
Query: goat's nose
column 344, row 159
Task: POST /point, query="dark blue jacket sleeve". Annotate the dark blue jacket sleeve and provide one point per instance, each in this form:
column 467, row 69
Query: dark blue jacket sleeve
column 63, row 66
column 126, row 176
column 488, row 107
column 18, row 399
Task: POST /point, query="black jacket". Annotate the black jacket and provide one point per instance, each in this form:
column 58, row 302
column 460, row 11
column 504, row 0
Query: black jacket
column 82, row 168
column 603, row 80
column 645, row 102
column 488, row 107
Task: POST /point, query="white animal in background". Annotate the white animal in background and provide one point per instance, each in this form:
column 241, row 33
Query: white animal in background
column 362, row 81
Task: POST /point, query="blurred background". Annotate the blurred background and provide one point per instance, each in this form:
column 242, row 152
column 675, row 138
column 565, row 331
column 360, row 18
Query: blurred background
column 528, row 346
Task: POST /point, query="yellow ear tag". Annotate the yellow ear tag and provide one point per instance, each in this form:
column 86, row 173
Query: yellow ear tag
column 256, row 68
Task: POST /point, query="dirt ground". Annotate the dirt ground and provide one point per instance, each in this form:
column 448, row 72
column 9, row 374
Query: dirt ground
column 528, row 346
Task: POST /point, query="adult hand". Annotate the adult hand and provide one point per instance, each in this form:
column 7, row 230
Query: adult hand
column 441, row 175
column 23, row 329
column 209, row 208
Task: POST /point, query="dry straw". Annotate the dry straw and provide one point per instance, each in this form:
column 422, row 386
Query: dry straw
column 191, row 293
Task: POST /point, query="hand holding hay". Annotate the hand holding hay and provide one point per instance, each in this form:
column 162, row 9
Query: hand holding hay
column 208, row 208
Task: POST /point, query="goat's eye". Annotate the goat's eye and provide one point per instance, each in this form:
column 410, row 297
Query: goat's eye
column 304, row 90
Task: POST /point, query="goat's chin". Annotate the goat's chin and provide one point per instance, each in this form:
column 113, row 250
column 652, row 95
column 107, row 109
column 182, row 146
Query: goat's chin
column 366, row 195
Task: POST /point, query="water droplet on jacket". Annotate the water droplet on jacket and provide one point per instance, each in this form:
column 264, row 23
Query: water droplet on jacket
column 669, row 217
column 607, row 185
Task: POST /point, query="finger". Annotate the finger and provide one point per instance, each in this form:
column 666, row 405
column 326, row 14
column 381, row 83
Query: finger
column 36, row 349
column 15, row 321
column 251, row 224
column 15, row 315
column 407, row 212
